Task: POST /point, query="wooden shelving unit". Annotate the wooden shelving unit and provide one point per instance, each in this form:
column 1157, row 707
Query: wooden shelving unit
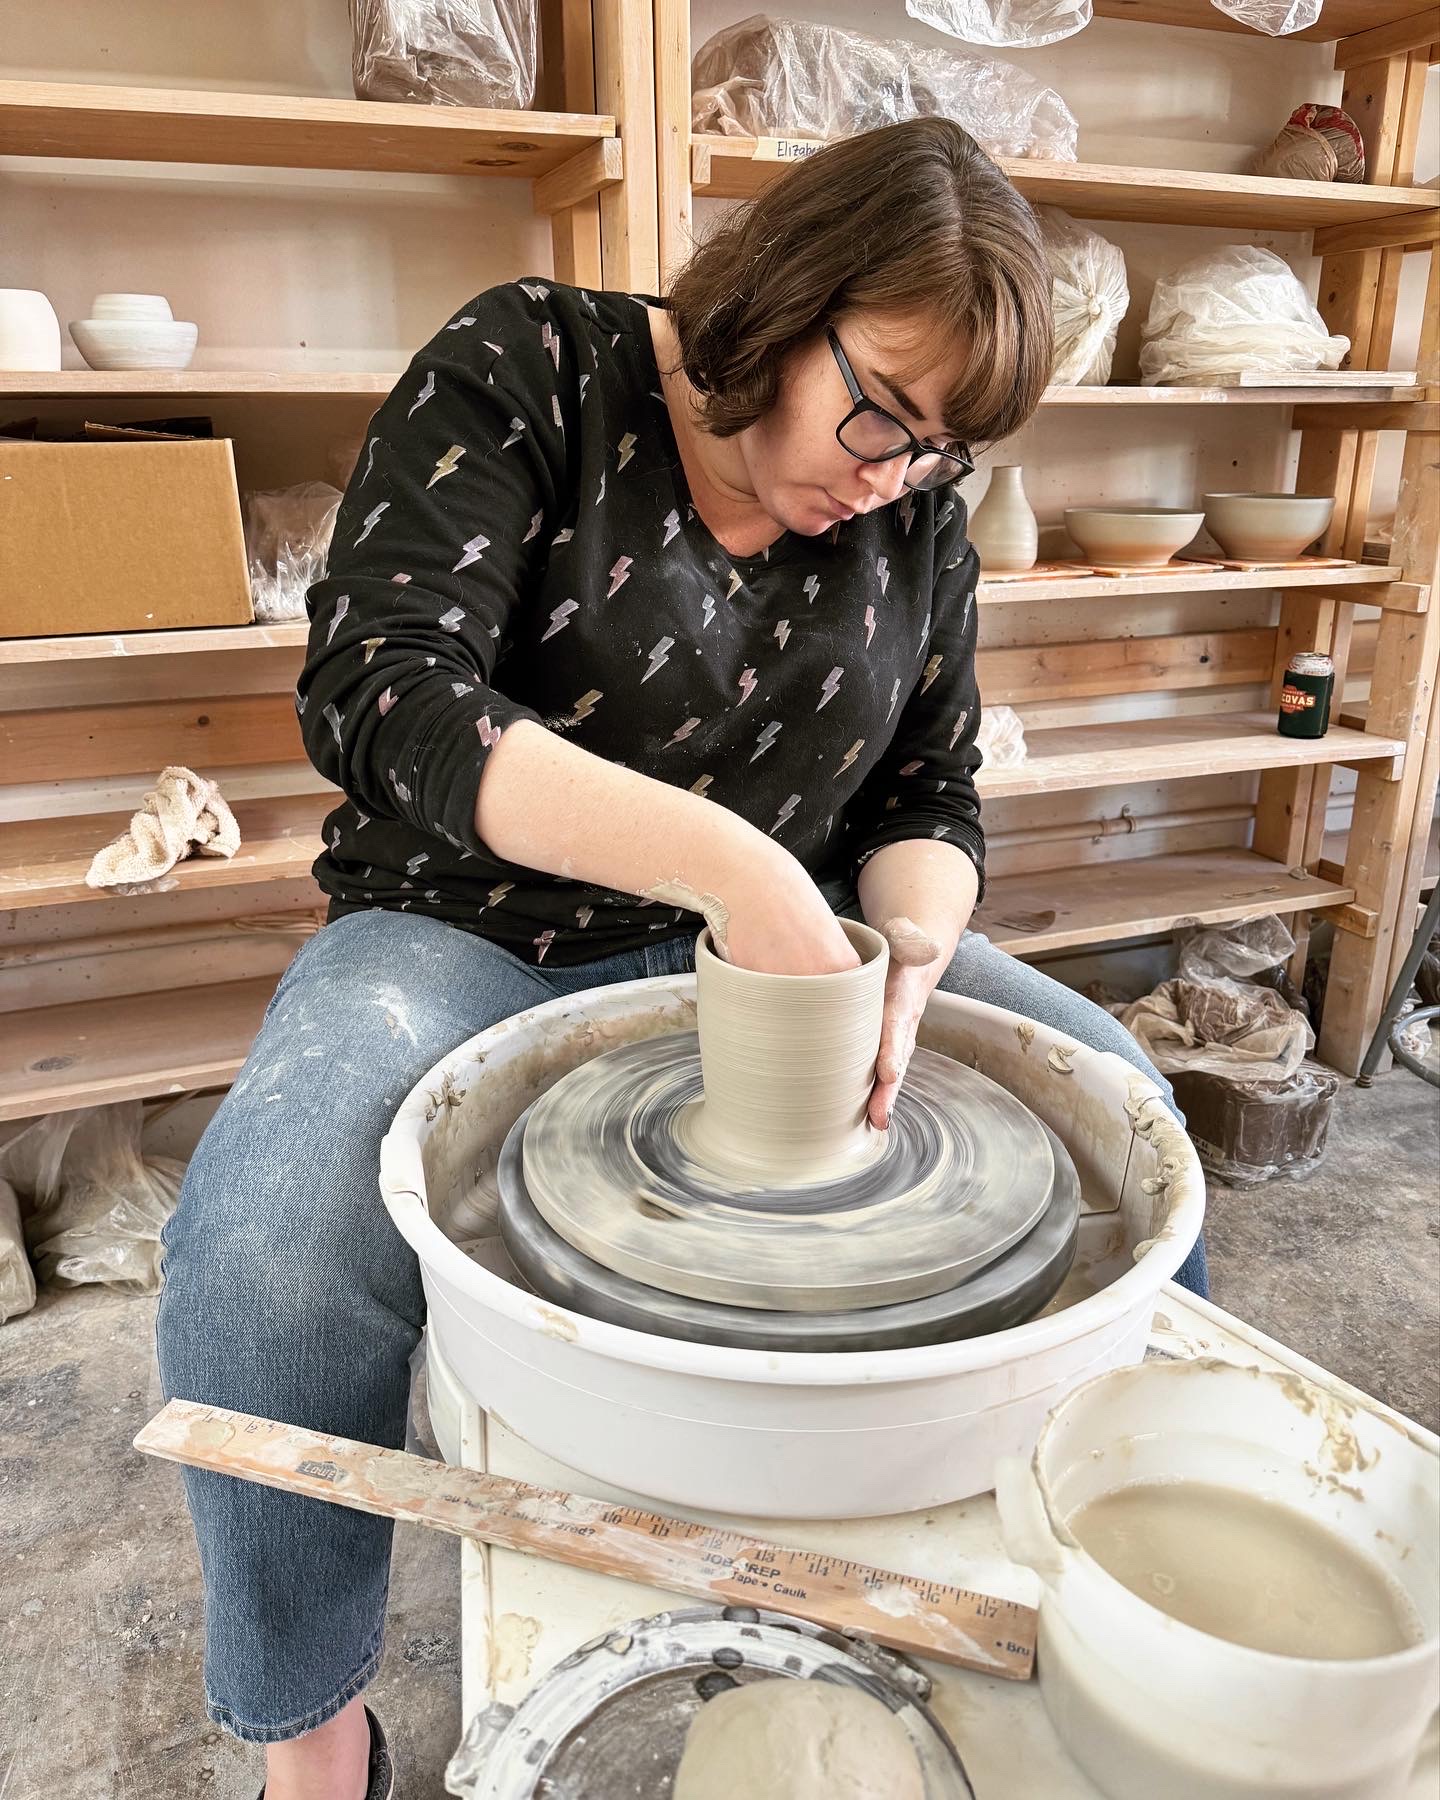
column 106, row 997
column 1362, row 232
column 176, row 997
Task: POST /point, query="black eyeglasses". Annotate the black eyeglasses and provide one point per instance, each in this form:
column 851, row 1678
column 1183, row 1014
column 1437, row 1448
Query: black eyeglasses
column 871, row 434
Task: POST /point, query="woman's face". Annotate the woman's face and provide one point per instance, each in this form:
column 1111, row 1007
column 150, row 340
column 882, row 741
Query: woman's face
column 803, row 478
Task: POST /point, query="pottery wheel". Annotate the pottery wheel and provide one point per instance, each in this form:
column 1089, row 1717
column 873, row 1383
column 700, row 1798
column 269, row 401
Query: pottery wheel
column 964, row 1173
column 612, row 1717
column 1005, row 1292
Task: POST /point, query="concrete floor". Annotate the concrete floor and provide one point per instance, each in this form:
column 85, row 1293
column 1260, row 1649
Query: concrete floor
column 99, row 1587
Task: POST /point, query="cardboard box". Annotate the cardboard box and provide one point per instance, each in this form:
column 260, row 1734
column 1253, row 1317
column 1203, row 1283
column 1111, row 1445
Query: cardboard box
column 98, row 537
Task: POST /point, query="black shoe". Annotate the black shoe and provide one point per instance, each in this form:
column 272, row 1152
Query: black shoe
column 382, row 1764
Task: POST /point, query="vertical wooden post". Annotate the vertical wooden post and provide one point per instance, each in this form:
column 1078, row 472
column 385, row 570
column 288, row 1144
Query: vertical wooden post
column 625, row 86
column 1389, row 815
column 1357, row 299
column 568, row 39
column 672, row 125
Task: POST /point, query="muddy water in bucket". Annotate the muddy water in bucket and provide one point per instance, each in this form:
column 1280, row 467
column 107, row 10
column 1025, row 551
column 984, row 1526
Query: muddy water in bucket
column 1241, row 1584
column 1248, row 1570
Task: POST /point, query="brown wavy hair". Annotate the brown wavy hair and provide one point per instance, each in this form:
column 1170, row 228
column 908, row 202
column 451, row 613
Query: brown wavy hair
column 912, row 218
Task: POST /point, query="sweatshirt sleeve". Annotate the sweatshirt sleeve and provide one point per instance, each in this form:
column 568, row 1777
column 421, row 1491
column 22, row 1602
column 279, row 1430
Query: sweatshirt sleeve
column 435, row 545
column 924, row 784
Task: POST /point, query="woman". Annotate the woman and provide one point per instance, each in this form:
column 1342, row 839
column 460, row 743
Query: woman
column 636, row 610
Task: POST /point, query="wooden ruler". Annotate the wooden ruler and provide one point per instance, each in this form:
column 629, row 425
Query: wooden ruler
column 904, row 1612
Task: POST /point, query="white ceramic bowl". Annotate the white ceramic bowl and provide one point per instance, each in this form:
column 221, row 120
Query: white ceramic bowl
column 1131, row 537
column 135, row 343
column 782, row 1434
column 130, row 306
column 1267, row 527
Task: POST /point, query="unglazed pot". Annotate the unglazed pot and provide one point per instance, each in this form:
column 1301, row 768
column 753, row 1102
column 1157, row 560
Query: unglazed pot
column 788, row 1062
column 1002, row 527
column 1131, row 537
column 1267, row 527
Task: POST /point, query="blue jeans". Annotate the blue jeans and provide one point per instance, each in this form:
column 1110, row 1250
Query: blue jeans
column 289, row 1293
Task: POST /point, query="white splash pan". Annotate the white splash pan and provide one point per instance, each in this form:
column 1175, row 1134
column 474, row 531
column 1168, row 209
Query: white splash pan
column 771, row 1433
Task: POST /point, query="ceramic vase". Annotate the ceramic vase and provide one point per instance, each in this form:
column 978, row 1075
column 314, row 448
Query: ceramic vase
column 1002, row 527
column 29, row 332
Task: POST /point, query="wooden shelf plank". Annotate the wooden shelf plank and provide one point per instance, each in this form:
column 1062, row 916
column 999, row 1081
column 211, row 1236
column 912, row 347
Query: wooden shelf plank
column 195, row 384
column 221, row 384
column 1071, row 758
column 75, row 119
column 1368, row 581
column 90, row 647
column 43, row 861
column 1102, row 902
column 728, row 169
column 1338, row 18
column 128, row 1048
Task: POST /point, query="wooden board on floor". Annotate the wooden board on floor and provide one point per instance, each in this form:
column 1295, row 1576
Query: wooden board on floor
column 1057, row 909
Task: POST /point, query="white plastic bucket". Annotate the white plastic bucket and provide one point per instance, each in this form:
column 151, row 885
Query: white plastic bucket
column 779, row 1434
column 1151, row 1707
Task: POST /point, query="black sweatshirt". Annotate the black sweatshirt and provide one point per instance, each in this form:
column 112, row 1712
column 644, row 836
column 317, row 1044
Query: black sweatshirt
column 518, row 542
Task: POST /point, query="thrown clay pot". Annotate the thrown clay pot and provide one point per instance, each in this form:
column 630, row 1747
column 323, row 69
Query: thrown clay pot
column 788, row 1062
column 1131, row 537
column 1002, row 528
column 1267, row 527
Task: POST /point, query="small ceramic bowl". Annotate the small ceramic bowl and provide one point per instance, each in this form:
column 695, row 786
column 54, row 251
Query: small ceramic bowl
column 135, row 343
column 1266, row 527
column 130, row 306
column 1131, row 537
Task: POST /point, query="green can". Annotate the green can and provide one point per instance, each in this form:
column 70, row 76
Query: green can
column 1305, row 696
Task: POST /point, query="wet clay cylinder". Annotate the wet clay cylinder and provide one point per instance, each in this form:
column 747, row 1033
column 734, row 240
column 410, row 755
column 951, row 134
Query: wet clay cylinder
column 788, row 1062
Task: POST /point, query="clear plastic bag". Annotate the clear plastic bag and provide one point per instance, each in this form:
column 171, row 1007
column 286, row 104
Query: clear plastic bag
column 1005, row 24
column 1219, row 952
column 1089, row 298
column 287, row 541
column 1276, row 18
column 1247, row 1132
column 95, row 1203
column 1239, row 308
column 445, row 52
column 1000, row 738
column 775, row 77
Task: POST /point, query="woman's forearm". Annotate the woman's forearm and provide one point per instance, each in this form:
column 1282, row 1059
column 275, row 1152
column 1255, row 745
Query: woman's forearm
column 550, row 805
column 920, row 893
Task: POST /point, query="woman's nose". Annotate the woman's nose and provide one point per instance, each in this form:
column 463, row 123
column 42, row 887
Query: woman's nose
column 886, row 480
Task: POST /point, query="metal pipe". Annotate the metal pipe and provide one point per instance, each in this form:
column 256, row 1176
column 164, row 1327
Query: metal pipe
column 1125, row 824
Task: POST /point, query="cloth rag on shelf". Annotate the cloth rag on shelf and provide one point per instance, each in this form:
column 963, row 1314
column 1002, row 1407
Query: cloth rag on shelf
column 182, row 813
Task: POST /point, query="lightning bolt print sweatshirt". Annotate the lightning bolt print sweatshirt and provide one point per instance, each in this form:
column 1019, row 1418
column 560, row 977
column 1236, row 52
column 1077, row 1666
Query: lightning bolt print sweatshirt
column 518, row 541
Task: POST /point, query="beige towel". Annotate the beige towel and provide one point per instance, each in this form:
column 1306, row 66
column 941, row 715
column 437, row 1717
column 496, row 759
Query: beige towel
column 182, row 813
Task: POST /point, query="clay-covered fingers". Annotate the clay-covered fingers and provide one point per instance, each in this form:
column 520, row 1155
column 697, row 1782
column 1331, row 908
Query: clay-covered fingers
column 905, row 997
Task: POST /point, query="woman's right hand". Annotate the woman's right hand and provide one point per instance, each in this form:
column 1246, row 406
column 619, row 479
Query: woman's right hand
column 780, row 922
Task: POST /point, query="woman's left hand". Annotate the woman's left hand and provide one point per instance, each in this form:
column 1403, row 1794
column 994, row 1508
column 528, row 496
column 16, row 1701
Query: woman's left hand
column 917, row 961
